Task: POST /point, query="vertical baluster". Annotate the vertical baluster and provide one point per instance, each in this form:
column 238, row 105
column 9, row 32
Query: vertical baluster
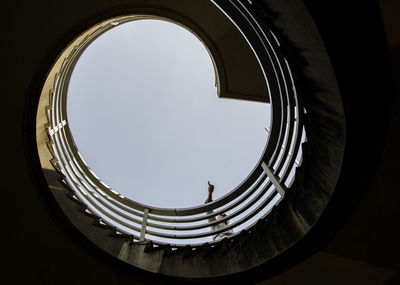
column 280, row 188
column 144, row 224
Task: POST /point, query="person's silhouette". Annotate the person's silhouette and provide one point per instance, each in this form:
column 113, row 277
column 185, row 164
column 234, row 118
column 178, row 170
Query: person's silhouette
column 221, row 225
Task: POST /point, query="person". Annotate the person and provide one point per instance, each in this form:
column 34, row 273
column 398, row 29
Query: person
column 211, row 219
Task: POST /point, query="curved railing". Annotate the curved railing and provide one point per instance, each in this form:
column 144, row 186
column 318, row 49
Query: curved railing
column 252, row 200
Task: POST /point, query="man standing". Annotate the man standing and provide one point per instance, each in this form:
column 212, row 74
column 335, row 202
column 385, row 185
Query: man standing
column 221, row 225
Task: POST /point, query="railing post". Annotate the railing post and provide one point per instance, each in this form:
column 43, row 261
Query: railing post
column 281, row 188
column 144, row 224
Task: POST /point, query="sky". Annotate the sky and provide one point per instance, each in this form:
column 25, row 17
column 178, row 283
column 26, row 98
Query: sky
column 145, row 115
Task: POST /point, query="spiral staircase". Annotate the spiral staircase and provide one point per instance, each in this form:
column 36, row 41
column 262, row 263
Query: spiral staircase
column 331, row 179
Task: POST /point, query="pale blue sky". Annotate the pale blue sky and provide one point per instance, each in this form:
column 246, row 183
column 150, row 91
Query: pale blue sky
column 145, row 115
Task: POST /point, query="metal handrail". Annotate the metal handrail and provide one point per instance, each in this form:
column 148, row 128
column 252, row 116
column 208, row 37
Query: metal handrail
column 138, row 219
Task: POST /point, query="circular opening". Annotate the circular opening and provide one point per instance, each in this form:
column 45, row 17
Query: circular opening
column 263, row 183
column 144, row 113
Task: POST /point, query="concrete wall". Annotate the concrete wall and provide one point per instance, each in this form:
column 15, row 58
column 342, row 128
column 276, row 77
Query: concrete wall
column 40, row 248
